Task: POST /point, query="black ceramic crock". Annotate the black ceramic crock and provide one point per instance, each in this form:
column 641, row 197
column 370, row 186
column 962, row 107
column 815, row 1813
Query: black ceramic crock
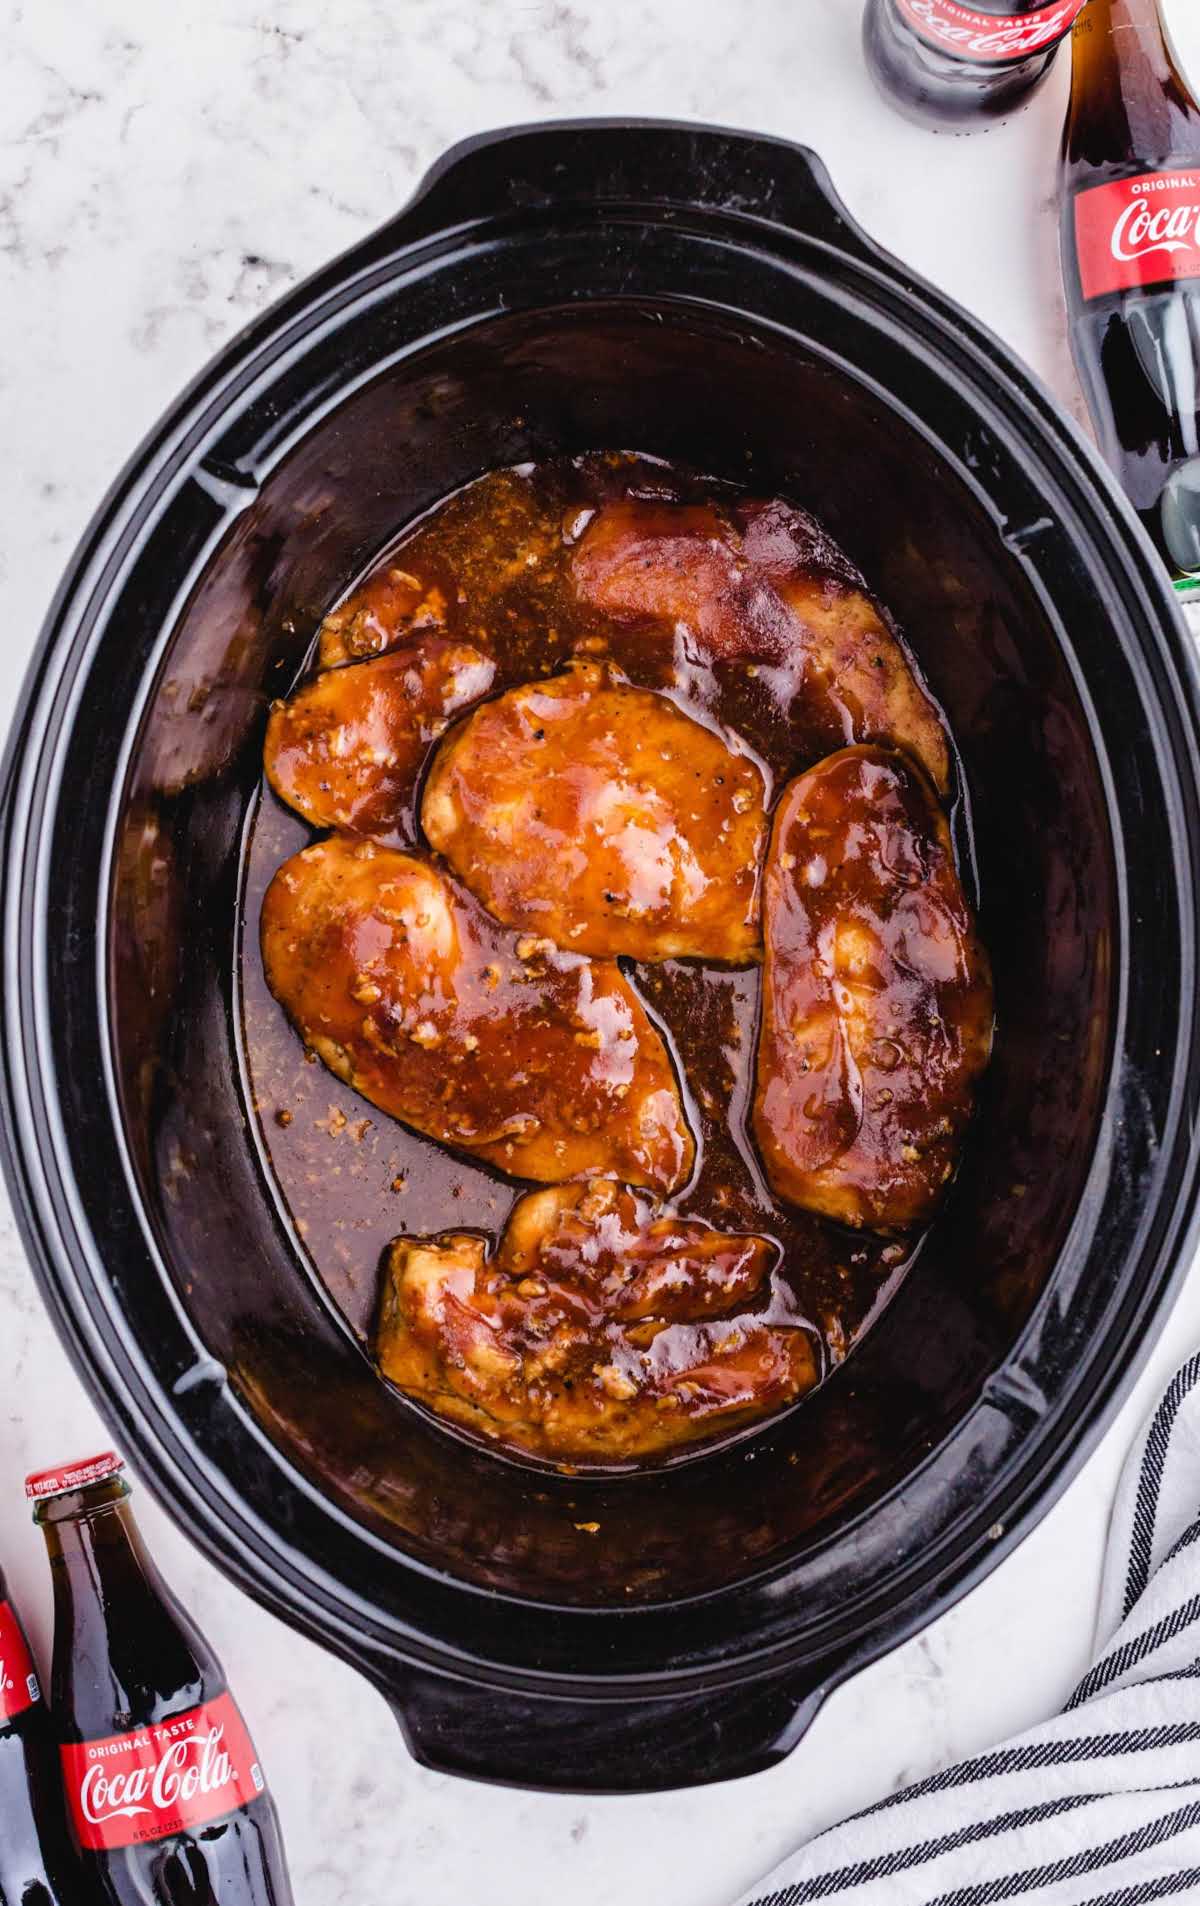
column 701, row 295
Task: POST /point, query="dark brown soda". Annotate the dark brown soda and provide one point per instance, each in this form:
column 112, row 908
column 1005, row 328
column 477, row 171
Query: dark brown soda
column 127, row 1655
column 945, row 89
column 37, row 1865
column 1137, row 349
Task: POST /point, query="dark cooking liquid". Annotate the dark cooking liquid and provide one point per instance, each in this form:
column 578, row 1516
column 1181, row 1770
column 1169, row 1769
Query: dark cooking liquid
column 350, row 1178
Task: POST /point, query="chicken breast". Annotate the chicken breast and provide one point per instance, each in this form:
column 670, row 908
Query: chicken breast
column 877, row 1002
column 629, row 1257
column 388, row 608
column 347, row 748
column 542, row 1063
column 760, row 584
column 604, row 1329
column 597, row 814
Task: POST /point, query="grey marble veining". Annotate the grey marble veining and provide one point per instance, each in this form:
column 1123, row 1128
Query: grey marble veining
column 164, row 173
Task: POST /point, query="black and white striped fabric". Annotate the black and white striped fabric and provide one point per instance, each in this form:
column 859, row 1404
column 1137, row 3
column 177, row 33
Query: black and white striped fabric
column 1100, row 1807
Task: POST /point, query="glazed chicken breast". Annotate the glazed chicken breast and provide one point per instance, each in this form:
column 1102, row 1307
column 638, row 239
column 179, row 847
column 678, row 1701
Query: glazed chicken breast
column 346, row 749
column 757, row 584
column 599, row 815
column 542, row 1063
column 633, row 1258
column 390, row 607
column 605, row 1328
column 877, row 1003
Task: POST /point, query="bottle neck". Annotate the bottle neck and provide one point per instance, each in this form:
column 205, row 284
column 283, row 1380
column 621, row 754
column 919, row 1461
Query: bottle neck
column 1130, row 104
column 124, row 1651
column 96, row 1550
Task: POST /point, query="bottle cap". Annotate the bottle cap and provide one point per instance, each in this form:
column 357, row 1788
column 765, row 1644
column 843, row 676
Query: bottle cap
column 64, row 1477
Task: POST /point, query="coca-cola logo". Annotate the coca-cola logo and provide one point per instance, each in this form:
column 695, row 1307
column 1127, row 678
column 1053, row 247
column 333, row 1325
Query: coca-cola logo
column 168, row 1777
column 1143, row 228
column 196, row 1765
column 1138, row 231
column 986, row 36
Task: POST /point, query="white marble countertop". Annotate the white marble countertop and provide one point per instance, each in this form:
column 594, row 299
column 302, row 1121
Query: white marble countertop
column 165, row 171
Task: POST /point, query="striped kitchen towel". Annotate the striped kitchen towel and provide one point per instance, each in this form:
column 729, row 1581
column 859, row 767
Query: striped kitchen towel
column 1100, row 1807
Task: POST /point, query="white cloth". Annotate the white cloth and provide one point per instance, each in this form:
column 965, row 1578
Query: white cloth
column 1100, row 1807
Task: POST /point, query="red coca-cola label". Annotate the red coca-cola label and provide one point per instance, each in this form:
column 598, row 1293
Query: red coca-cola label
column 165, row 1778
column 1138, row 231
column 18, row 1682
column 989, row 36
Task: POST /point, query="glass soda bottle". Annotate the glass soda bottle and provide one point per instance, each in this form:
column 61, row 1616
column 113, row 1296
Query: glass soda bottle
column 164, row 1792
column 1130, row 204
column 953, row 66
column 36, row 1862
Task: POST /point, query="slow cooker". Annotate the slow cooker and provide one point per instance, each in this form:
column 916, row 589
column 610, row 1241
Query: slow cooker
column 703, row 296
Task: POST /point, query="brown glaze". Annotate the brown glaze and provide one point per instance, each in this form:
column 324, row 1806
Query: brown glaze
column 542, row 1063
column 597, row 814
column 390, row 607
column 605, row 1327
column 752, row 583
column 877, row 1004
column 346, row 750
column 637, row 1259
column 484, row 561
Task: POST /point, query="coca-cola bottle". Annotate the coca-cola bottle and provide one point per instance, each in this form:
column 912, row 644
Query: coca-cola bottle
column 1131, row 262
column 164, row 1791
column 953, row 66
column 36, row 1863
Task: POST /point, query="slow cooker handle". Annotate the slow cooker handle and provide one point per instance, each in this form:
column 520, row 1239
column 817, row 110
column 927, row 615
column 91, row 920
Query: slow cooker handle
column 613, row 1746
column 660, row 163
